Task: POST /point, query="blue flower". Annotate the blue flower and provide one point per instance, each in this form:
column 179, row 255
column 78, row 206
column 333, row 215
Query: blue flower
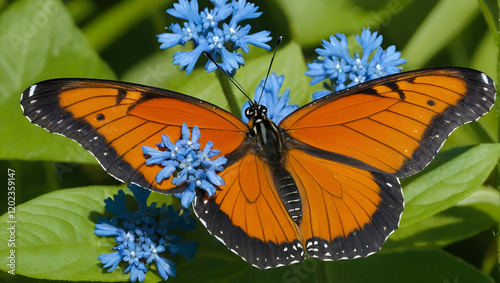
column 277, row 106
column 197, row 178
column 165, row 267
column 111, row 260
column 216, row 31
column 186, row 164
column 143, row 236
column 132, row 256
column 117, row 205
column 343, row 70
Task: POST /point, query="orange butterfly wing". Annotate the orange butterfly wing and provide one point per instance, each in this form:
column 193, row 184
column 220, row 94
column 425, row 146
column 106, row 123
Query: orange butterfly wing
column 395, row 124
column 248, row 216
column 113, row 120
column 347, row 212
column 347, row 150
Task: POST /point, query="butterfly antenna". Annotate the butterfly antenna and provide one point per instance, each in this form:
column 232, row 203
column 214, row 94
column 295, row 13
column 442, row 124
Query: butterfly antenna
column 235, row 83
column 278, row 42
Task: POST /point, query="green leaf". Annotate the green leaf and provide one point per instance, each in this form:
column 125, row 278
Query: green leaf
column 408, row 266
column 40, row 41
column 486, row 199
column 478, row 212
column 443, row 185
column 436, row 31
column 288, row 62
column 310, row 23
column 483, row 55
column 54, row 236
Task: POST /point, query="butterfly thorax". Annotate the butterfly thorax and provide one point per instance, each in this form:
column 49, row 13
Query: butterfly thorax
column 268, row 142
column 266, row 138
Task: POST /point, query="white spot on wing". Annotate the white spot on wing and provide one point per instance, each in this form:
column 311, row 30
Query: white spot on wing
column 32, row 90
column 485, row 78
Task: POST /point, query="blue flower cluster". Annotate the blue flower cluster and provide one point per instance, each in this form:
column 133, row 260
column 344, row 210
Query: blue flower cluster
column 193, row 166
column 212, row 31
column 277, row 106
column 144, row 236
column 335, row 62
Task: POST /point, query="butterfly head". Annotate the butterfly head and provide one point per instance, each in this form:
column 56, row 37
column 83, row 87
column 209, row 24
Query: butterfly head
column 256, row 112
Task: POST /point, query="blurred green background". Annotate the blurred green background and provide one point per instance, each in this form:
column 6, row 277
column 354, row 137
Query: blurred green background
column 455, row 242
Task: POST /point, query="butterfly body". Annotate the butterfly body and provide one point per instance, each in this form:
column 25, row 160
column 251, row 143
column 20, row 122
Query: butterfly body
column 322, row 183
column 269, row 142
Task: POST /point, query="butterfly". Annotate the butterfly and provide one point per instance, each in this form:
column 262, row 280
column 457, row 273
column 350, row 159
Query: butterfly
column 322, row 183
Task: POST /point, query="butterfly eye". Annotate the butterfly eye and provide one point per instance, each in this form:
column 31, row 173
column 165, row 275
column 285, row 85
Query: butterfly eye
column 262, row 109
column 250, row 112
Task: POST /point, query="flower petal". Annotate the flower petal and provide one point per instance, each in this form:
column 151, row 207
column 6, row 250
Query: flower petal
column 186, row 10
column 188, row 59
column 110, row 260
column 165, row 267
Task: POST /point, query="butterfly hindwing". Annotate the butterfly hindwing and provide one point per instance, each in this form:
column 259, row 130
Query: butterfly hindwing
column 248, row 216
column 395, row 124
column 348, row 212
column 113, row 120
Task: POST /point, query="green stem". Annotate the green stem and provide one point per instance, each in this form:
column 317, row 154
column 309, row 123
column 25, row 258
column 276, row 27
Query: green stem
column 228, row 93
column 436, row 31
column 496, row 108
column 116, row 21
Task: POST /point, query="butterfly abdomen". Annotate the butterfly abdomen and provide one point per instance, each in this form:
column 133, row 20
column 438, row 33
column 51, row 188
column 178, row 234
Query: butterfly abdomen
column 288, row 192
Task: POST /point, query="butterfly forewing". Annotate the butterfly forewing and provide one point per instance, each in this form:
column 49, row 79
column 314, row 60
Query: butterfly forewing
column 113, row 120
column 397, row 123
